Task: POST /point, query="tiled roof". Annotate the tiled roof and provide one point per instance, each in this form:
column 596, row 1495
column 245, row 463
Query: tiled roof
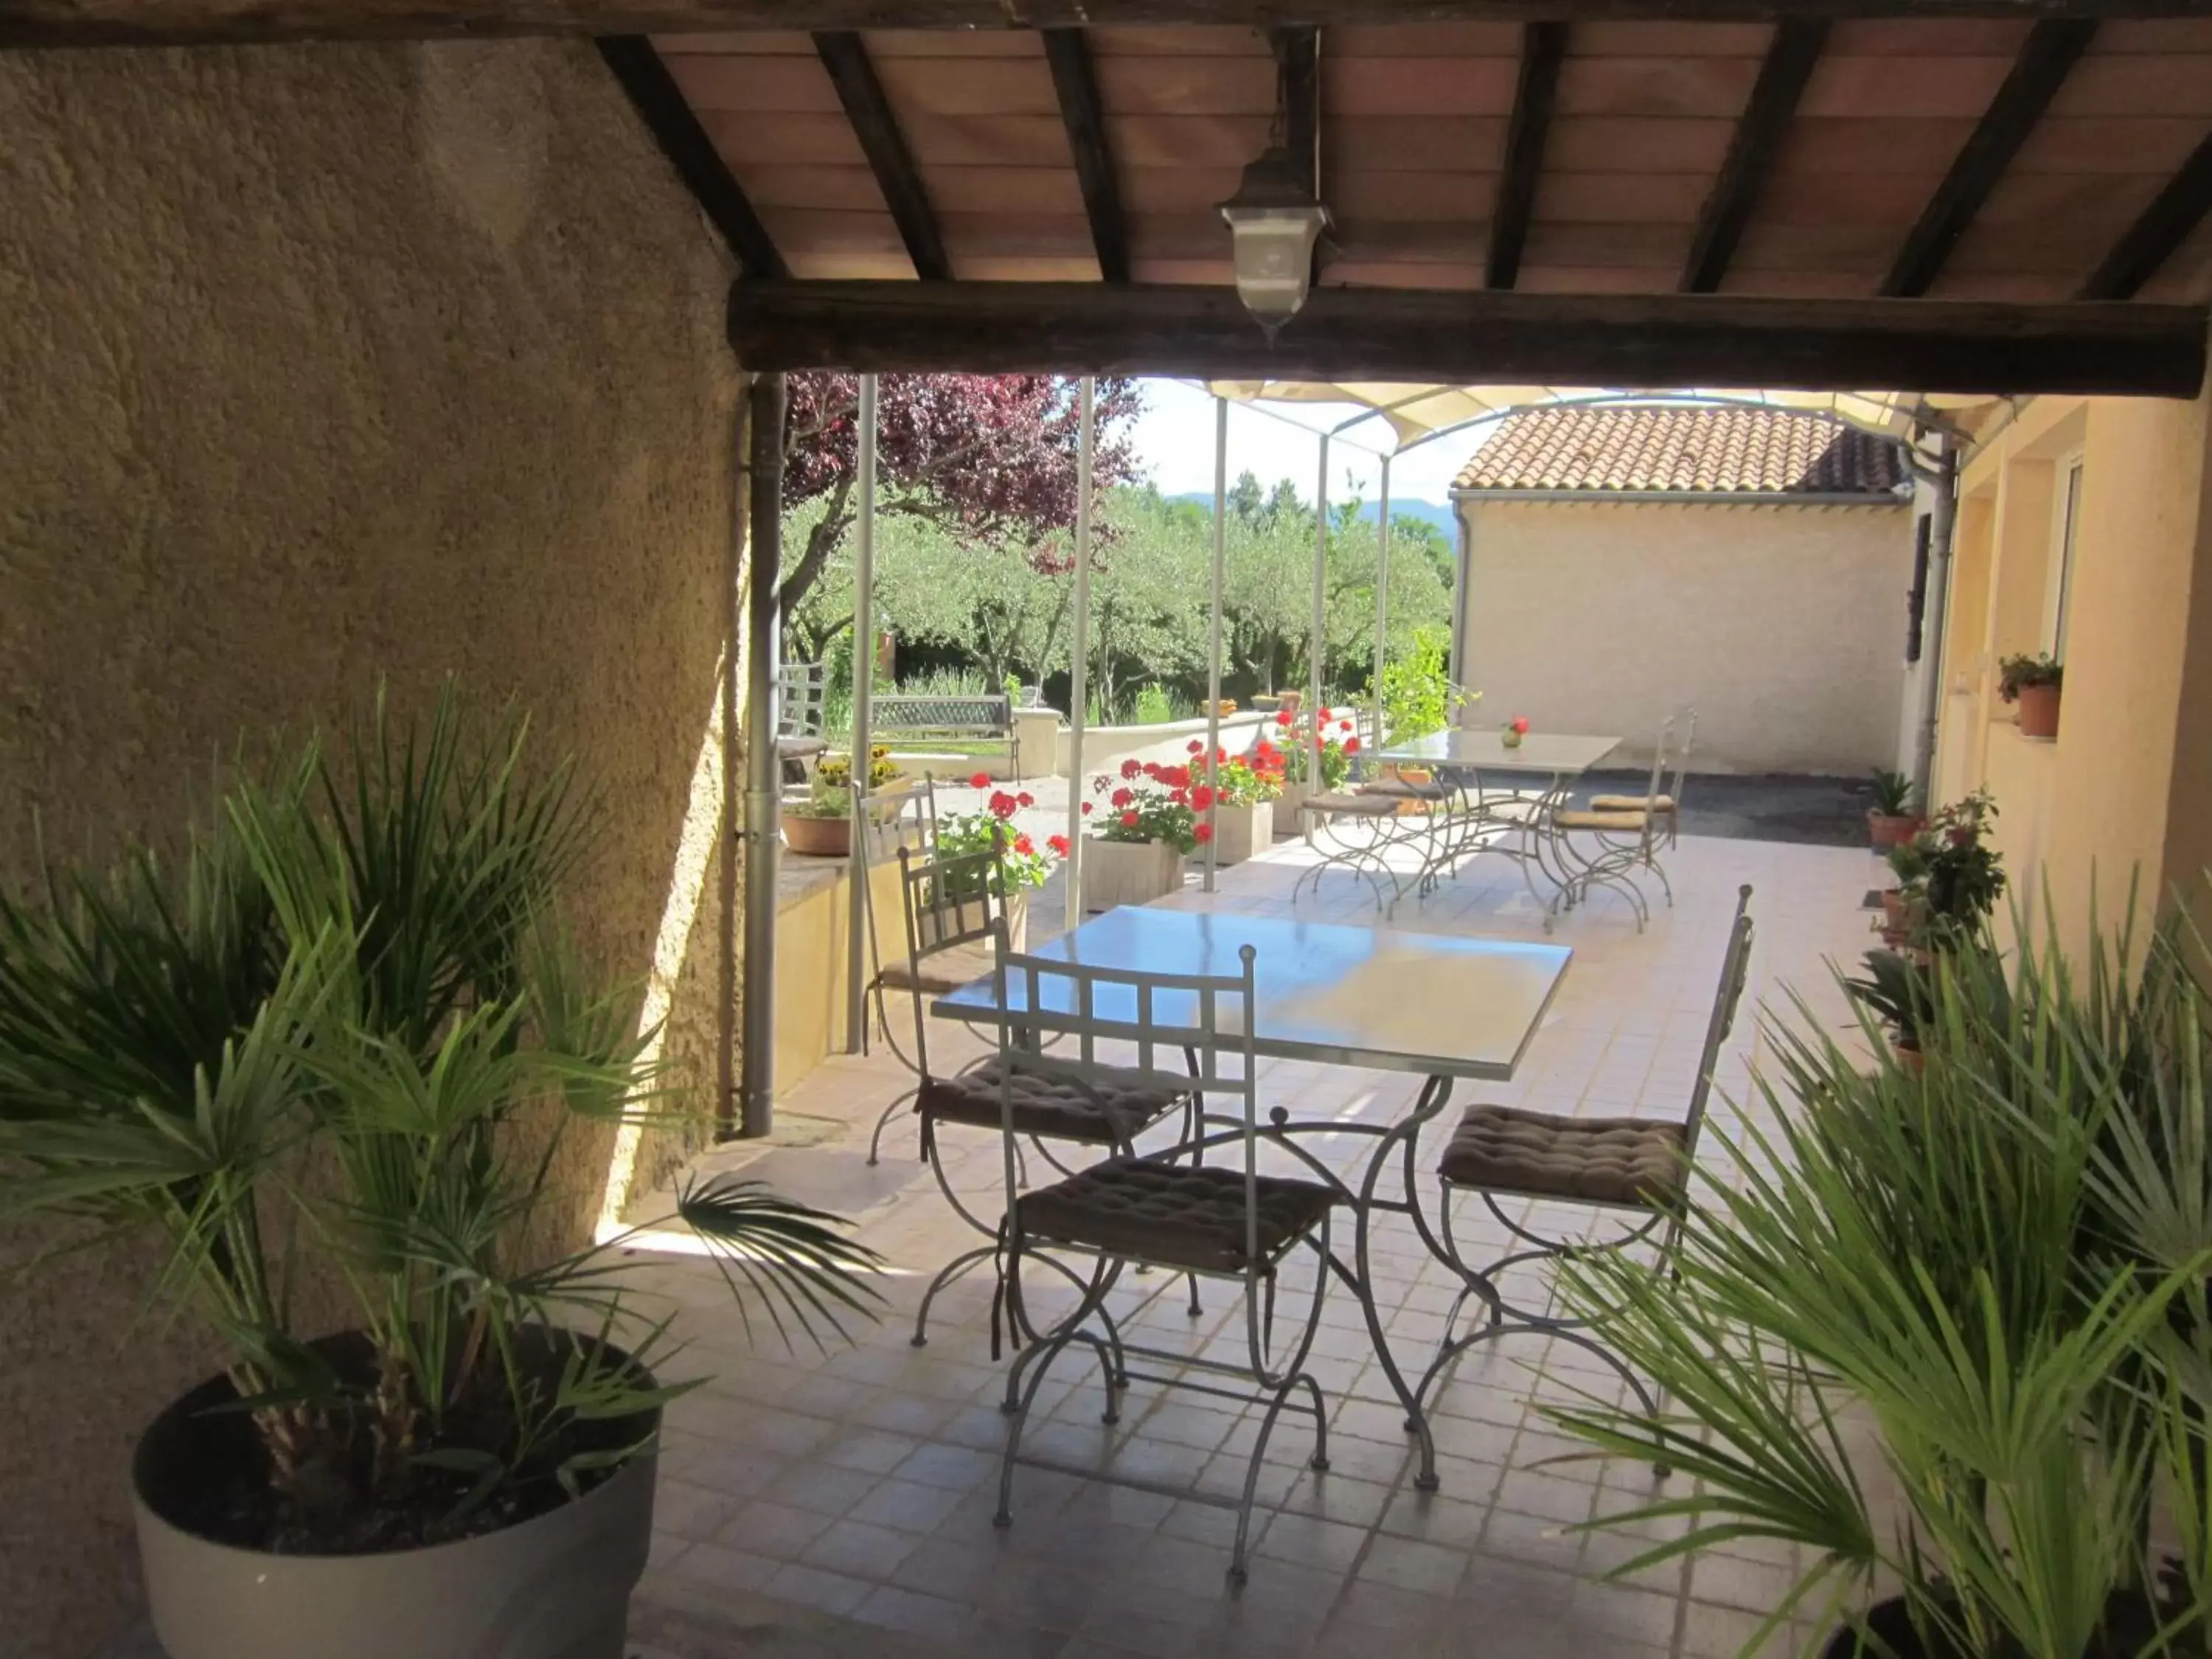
column 1765, row 452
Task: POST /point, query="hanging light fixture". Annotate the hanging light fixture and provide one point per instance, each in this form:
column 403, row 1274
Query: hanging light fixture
column 1274, row 221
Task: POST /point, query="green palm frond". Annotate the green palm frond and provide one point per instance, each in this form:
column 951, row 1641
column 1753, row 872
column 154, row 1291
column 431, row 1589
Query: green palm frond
column 794, row 1261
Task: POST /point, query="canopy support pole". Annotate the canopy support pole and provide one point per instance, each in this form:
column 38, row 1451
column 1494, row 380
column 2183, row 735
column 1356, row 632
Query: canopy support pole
column 763, row 765
column 1078, row 678
column 1320, row 610
column 864, row 688
column 1213, row 632
column 1382, row 601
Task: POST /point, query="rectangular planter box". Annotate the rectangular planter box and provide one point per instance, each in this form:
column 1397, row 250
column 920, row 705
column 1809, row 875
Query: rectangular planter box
column 1284, row 810
column 1117, row 873
column 1240, row 831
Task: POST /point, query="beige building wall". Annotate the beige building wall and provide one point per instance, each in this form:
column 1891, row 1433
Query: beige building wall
column 321, row 364
column 1782, row 625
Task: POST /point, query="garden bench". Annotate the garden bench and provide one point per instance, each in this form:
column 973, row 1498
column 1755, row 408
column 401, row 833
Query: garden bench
column 965, row 720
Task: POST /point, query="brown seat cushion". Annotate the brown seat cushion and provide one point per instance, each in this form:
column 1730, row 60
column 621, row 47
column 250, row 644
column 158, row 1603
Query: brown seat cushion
column 1626, row 822
column 942, row 972
column 1399, row 789
column 1171, row 1215
column 1661, row 804
column 1360, row 805
column 1604, row 1160
column 1055, row 1108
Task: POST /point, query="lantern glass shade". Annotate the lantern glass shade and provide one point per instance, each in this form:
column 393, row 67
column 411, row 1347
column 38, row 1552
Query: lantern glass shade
column 1273, row 223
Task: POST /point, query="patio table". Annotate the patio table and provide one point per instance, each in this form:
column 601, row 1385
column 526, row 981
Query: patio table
column 1461, row 756
column 1440, row 1006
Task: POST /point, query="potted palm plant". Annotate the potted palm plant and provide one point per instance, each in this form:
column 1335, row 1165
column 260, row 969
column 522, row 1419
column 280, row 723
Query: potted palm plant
column 1894, row 817
column 1948, row 1332
column 339, row 1060
column 2034, row 684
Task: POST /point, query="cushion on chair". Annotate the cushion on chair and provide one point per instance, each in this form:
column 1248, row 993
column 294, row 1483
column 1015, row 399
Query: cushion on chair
column 1399, row 789
column 1604, row 1160
column 942, row 972
column 1171, row 1215
column 1620, row 821
column 1357, row 806
column 1052, row 1107
column 1660, row 803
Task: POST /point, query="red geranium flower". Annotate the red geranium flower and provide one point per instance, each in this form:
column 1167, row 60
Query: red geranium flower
column 1176, row 777
column 1153, row 769
column 1128, row 820
column 1024, row 846
column 980, row 781
column 1059, row 843
column 1131, row 767
column 1285, row 718
column 1086, row 809
column 1203, row 833
column 1521, row 724
column 1344, row 726
column 1123, row 796
column 1264, row 749
column 1198, row 745
column 1181, row 797
column 1200, row 798
column 1351, row 745
column 1003, row 806
column 1026, row 799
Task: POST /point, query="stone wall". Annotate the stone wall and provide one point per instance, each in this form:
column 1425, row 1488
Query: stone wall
column 319, row 366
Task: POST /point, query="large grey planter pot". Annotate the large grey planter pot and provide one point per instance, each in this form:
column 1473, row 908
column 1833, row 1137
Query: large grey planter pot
column 556, row 1587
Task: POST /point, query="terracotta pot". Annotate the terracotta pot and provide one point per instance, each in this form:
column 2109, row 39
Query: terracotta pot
column 1117, row 872
column 1910, row 1060
column 1240, row 831
column 556, row 1586
column 1291, row 700
column 1888, row 829
column 2039, row 711
column 1896, row 912
column 821, row 838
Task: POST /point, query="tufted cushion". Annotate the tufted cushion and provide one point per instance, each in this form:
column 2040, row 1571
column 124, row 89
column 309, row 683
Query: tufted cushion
column 1109, row 1114
column 1170, row 1214
column 1605, row 1160
column 942, row 972
column 1661, row 804
column 1360, row 806
column 1399, row 789
column 1619, row 821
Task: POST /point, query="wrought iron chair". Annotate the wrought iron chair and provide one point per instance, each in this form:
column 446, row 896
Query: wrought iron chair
column 1618, row 842
column 954, row 909
column 1667, row 807
column 1637, row 1170
column 1218, row 1220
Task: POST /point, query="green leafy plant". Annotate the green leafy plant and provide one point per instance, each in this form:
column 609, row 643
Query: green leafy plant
column 1340, row 743
column 1897, row 990
column 1988, row 1280
column 836, row 770
column 2015, row 674
column 1020, row 864
column 1908, row 862
column 1961, row 876
column 349, row 1027
column 1418, row 696
column 1894, row 795
column 823, row 799
column 1146, row 803
column 1153, row 706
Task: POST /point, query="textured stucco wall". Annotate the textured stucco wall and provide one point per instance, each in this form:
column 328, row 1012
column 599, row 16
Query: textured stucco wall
column 1783, row 626
column 319, row 364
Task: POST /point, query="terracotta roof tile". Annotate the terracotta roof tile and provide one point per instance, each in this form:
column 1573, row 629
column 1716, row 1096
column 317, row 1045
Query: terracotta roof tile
column 1641, row 447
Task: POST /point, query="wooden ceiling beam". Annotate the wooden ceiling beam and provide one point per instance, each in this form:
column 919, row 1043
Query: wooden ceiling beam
column 1543, row 46
column 2053, row 45
column 1075, row 80
column 189, row 22
column 861, row 93
column 2163, row 226
column 1787, row 65
column 660, row 104
column 1505, row 338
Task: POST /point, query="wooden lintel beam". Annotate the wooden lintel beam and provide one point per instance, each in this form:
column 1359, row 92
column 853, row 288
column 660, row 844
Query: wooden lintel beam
column 1508, row 339
column 1075, row 82
column 1543, row 46
column 660, row 104
column 1782, row 77
column 197, row 22
column 2162, row 227
column 2051, row 50
column 861, row 93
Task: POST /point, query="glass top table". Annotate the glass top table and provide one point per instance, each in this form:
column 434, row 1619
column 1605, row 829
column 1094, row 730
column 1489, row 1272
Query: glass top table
column 1442, row 1006
column 1553, row 754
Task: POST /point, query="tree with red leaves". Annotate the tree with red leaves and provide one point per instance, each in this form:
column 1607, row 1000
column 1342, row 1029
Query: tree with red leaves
column 990, row 457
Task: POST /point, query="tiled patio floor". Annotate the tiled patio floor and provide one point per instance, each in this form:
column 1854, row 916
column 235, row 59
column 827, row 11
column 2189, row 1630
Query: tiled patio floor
column 841, row 1503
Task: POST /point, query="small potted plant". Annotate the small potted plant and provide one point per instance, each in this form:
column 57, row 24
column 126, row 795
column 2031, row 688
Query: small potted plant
column 885, row 775
column 1143, row 826
column 1893, row 817
column 1898, row 992
column 2034, row 684
column 1961, row 876
column 819, row 824
column 1908, row 862
column 1021, row 868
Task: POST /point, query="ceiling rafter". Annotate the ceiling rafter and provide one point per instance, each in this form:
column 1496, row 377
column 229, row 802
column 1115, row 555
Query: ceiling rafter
column 861, row 91
column 1543, row 48
column 1075, row 81
column 2053, row 47
column 2160, row 229
column 1783, row 74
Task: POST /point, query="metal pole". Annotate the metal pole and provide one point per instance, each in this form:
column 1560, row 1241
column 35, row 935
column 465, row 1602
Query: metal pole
column 1213, row 630
column 1320, row 607
column 1078, row 678
column 763, row 767
column 1462, row 595
column 1934, row 619
column 864, row 687
column 1382, row 598
column 725, row 942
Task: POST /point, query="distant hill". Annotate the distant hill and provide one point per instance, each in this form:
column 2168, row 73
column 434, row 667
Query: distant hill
column 1438, row 513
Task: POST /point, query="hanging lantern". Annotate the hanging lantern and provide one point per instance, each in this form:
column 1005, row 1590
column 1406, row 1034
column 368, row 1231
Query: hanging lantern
column 1273, row 222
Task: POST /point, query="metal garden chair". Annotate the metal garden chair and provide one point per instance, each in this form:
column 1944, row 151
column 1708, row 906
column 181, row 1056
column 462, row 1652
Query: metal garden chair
column 1667, row 807
column 1125, row 1029
column 1637, row 1170
column 1617, row 843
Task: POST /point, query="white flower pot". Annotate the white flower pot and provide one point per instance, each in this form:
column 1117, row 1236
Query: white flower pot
column 1239, row 832
column 1117, row 872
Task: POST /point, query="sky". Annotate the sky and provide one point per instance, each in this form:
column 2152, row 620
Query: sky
column 1174, row 438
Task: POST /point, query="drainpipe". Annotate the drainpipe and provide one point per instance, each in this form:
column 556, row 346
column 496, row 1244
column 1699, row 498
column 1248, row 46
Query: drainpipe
column 1934, row 642
column 1213, row 632
column 1320, row 607
column 763, row 769
column 864, row 690
column 725, row 978
column 1078, row 676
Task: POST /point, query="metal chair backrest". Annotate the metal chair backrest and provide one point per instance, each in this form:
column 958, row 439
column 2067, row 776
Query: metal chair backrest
column 948, row 902
column 1650, row 831
column 1735, row 969
column 802, row 692
column 1682, row 758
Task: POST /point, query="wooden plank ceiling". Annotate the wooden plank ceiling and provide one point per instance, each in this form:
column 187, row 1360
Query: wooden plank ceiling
column 1995, row 160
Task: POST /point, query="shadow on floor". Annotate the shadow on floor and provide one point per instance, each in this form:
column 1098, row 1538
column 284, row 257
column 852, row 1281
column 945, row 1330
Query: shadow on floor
column 1810, row 812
